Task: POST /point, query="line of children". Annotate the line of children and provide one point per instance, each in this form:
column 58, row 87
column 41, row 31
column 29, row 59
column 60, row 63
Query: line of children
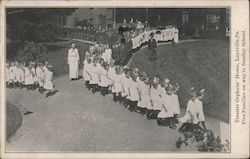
column 133, row 89
column 30, row 76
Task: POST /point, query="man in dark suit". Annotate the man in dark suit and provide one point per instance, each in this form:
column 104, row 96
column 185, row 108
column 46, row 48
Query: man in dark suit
column 152, row 45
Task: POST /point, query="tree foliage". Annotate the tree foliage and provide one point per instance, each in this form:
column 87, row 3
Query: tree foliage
column 33, row 52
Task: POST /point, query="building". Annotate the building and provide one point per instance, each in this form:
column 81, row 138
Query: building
column 98, row 17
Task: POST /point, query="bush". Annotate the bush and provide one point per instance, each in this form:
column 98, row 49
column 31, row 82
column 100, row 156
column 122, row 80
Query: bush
column 33, row 52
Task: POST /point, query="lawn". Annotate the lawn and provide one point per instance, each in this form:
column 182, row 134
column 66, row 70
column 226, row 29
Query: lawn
column 202, row 64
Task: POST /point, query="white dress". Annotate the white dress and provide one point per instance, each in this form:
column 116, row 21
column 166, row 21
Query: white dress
column 117, row 87
column 20, row 75
column 33, row 71
column 15, row 73
column 7, row 74
column 175, row 104
column 124, row 85
column 133, row 89
column 195, row 108
column 40, row 76
column 48, row 85
column 145, row 98
column 107, row 55
column 94, row 74
column 28, row 77
column 11, row 74
column 155, row 96
column 73, row 61
column 166, row 110
column 103, row 77
column 86, row 70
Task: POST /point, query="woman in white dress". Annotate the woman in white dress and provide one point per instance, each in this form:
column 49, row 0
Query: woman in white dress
column 73, row 61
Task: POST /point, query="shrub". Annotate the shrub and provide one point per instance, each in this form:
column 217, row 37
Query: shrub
column 33, row 52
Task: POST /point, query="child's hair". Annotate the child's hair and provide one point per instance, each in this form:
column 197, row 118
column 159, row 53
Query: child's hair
column 50, row 67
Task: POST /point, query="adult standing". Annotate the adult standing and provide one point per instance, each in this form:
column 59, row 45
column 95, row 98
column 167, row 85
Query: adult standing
column 73, row 61
column 152, row 45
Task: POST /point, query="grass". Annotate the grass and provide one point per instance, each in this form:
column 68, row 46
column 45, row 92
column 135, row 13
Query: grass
column 14, row 120
column 203, row 64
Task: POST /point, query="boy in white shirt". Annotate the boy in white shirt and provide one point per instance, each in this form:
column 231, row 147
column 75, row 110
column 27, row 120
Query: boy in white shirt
column 144, row 98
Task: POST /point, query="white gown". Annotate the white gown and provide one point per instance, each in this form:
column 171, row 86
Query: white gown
column 86, row 69
column 20, row 75
column 94, row 75
column 7, row 74
column 48, row 85
column 104, row 77
column 145, row 98
column 133, row 87
column 195, row 107
column 166, row 110
column 73, row 61
column 117, row 88
column 28, row 77
column 155, row 96
column 125, row 85
column 40, row 76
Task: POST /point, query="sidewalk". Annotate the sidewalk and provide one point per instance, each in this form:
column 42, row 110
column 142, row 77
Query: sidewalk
column 77, row 120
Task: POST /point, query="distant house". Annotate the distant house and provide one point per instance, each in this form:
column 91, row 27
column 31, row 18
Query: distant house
column 98, row 17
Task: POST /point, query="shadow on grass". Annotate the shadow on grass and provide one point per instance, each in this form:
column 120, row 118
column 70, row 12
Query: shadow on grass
column 13, row 120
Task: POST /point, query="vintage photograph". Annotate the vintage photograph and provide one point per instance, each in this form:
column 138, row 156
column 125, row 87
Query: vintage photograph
column 117, row 79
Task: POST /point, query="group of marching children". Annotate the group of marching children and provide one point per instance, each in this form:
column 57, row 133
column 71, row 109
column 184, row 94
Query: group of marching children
column 133, row 89
column 30, row 75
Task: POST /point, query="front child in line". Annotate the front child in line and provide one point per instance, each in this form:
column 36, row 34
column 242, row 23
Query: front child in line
column 40, row 76
column 48, row 80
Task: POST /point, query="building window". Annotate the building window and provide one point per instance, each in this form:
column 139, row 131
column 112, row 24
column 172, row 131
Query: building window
column 185, row 17
column 213, row 21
